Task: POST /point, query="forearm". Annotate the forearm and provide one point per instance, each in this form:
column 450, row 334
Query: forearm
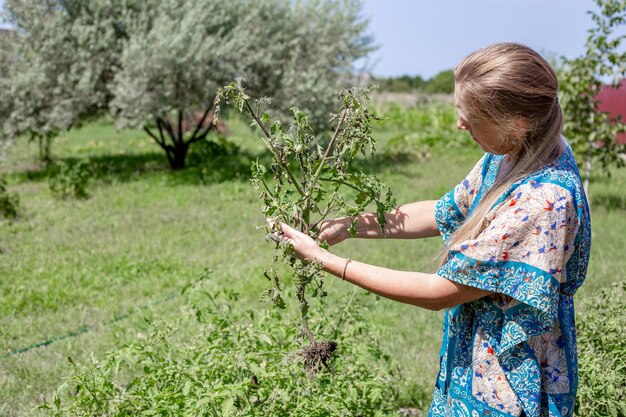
column 428, row 291
column 408, row 221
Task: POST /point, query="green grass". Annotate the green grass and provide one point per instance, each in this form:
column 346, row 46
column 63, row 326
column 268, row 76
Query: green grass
column 146, row 231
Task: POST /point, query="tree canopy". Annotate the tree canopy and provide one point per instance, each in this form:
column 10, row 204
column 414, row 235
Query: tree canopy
column 591, row 132
column 150, row 60
column 64, row 54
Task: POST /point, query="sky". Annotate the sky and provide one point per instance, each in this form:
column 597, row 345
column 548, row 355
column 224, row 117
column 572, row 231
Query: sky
column 423, row 37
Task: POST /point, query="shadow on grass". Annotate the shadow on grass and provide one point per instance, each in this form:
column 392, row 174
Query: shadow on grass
column 609, row 201
column 207, row 163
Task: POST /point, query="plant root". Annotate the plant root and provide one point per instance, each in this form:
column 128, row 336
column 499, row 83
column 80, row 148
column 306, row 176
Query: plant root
column 317, row 354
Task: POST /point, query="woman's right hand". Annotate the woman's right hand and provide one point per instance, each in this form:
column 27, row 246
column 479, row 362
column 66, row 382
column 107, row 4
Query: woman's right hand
column 335, row 231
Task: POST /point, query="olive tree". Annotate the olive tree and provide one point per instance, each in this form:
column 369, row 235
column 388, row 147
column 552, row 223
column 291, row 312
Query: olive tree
column 64, row 55
column 592, row 132
column 6, row 62
column 180, row 52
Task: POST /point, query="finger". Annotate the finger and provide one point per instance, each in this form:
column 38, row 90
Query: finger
column 327, row 232
column 279, row 238
column 289, row 231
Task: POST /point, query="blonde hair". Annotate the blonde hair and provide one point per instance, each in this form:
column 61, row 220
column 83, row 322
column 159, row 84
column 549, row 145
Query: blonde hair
column 514, row 89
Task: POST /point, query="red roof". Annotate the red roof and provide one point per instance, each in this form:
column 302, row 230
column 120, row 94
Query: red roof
column 613, row 101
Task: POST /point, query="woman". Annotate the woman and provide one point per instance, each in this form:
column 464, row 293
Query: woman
column 517, row 239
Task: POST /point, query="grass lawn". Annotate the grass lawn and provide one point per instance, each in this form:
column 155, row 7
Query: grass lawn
column 99, row 266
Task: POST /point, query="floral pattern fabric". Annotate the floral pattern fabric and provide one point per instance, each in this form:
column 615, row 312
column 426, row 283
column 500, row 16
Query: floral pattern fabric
column 513, row 353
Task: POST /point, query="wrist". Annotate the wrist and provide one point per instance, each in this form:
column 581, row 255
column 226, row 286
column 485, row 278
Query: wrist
column 332, row 264
column 323, row 256
column 358, row 228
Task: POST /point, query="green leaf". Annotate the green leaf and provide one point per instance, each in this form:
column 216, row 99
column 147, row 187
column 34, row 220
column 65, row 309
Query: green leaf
column 227, row 406
column 361, row 198
column 186, row 388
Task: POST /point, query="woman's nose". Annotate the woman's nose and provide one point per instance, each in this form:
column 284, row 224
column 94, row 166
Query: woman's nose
column 460, row 124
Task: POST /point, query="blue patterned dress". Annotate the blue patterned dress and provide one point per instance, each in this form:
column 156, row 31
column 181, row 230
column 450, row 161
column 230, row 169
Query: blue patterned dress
column 513, row 353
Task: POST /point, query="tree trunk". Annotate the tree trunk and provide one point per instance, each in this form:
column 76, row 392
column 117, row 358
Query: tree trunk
column 178, row 156
column 45, row 143
column 172, row 139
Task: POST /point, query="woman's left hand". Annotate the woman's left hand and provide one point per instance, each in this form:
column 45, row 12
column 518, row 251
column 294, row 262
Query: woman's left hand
column 306, row 248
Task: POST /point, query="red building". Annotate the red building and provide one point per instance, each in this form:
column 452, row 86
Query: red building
column 613, row 101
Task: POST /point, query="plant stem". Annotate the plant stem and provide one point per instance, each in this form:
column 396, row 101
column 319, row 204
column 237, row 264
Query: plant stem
column 307, row 331
column 343, row 315
column 343, row 183
column 307, row 197
column 329, row 208
column 269, row 145
column 269, row 192
column 328, row 149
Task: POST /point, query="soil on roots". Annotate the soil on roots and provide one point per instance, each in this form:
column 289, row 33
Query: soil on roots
column 317, row 354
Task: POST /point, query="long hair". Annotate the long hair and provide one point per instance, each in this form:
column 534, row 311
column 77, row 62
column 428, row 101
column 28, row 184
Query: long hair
column 514, row 89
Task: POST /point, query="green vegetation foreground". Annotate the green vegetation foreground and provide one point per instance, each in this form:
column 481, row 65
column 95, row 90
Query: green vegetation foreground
column 145, row 232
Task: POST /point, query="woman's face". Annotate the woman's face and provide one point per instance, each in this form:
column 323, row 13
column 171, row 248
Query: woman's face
column 483, row 132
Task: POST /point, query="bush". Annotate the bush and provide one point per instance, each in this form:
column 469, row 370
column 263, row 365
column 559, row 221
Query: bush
column 601, row 353
column 219, row 159
column 238, row 362
column 406, row 147
column 420, row 129
column 9, row 202
column 70, row 180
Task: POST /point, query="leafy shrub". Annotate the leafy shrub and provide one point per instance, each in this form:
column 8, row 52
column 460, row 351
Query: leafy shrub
column 70, row 180
column 219, row 159
column 406, row 147
column 307, row 192
column 236, row 362
column 421, row 128
column 9, row 202
column 601, row 353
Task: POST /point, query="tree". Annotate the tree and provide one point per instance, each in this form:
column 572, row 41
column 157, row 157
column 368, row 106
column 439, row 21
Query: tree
column 402, row 84
column 157, row 64
column 64, row 55
column 443, row 82
column 178, row 54
column 591, row 132
column 6, row 62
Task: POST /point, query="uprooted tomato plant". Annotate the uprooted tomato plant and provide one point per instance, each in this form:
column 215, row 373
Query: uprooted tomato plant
column 303, row 186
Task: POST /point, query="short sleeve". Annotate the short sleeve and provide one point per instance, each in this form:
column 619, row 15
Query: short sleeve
column 452, row 209
column 521, row 253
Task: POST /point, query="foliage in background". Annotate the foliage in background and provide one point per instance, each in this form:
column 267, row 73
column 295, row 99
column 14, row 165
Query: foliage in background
column 9, row 202
column 63, row 56
column 179, row 53
column 420, row 128
column 401, row 84
column 601, row 353
column 307, row 175
column 158, row 64
column 70, row 180
column 6, row 62
column 591, row 132
column 148, row 230
column 442, row 82
column 235, row 362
